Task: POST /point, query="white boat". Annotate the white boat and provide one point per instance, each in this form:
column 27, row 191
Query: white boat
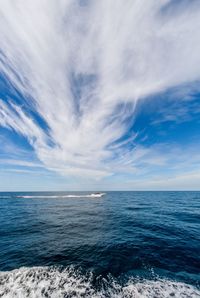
column 97, row 194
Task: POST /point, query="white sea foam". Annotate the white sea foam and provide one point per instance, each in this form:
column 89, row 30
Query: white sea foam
column 51, row 282
column 62, row 196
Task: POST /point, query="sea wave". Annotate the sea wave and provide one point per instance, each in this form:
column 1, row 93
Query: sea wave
column 57, row 283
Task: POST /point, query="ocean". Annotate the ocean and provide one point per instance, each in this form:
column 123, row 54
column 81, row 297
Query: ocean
column 124, row 244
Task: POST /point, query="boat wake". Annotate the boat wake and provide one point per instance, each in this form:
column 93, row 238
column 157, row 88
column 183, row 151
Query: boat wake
column 55, row 283
column 93, row 195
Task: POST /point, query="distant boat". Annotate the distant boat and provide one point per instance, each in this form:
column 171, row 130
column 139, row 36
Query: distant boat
column 92, row 195
column 97, row 194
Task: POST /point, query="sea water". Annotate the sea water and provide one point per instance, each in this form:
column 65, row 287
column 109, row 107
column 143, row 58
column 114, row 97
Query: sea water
column 124, row 244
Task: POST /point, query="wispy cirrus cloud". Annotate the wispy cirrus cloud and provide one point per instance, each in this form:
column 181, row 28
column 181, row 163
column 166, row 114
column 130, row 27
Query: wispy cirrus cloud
column 83, row 65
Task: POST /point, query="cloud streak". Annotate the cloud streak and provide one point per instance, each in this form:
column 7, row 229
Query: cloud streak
column 83, row 65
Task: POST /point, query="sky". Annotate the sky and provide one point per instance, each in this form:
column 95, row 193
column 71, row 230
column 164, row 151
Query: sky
column 99, row 95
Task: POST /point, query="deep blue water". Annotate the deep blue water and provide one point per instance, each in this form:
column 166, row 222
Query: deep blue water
column 124, row 244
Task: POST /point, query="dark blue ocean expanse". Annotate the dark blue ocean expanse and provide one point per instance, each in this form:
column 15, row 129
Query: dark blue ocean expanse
column 130, row 244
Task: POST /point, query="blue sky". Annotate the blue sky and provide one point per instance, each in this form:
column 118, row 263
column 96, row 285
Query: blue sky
column 100, row 96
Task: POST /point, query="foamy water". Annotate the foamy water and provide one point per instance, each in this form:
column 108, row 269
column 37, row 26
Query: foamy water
column 61, row 196
column 52, row 282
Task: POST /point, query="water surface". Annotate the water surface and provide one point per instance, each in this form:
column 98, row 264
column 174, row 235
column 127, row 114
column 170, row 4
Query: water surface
column 130, row 244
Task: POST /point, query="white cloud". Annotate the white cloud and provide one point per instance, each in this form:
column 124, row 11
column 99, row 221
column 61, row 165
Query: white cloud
column 21, row 163
column 82, row 66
